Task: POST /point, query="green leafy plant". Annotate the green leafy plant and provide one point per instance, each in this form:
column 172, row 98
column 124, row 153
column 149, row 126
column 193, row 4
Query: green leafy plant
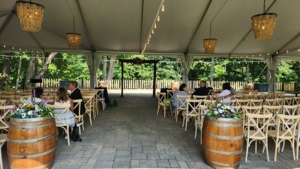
column 32, row 110
column 167, row 102
column 222, row 110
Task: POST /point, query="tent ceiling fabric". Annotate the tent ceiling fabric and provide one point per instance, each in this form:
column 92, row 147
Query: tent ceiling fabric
column 122, row 26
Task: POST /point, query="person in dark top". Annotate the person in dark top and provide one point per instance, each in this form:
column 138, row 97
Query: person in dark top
column 203, row 90
column 76, row 94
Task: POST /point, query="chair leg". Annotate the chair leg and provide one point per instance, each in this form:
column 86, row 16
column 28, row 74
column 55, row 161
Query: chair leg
column 196, row 128
column 186, row 120
column 158, row 109
column 1, row 144
column 68, row 135
column 267, row 150
column 183, row 121
column 164, row 107
column 247, row 149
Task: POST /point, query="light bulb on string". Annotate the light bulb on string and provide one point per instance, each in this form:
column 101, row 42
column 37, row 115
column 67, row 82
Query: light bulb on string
column 20, row 49
column 13, row 47
column 277, row 53
column 268, row 54
column 152, row 31
column 287, row 51
column 163, row 8
column 4, row 46
column 155, row 25
column 158, row 18
column 259, row 54
column 299, row 50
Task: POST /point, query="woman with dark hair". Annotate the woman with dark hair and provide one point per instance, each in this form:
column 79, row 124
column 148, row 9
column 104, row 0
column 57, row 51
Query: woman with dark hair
column 37, row 94
column 226, row 91
column 182, row 91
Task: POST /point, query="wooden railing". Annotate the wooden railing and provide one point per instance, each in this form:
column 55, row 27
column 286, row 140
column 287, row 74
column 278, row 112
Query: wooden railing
column 147, row 84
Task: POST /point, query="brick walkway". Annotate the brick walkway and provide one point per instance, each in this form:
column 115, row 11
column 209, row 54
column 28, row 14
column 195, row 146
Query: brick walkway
column 131, row 135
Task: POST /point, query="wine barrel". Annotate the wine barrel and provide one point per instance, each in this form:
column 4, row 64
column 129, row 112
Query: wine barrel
column 31, row 143
column 222, row 142
column 174, row 86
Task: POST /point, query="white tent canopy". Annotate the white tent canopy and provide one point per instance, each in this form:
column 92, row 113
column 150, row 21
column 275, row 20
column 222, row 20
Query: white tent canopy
column 122, row 27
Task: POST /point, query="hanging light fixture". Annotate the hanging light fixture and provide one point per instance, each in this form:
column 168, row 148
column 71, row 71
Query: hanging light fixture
column 263, row 24
column 74, row 39
column 30, row 15
column 210, row 43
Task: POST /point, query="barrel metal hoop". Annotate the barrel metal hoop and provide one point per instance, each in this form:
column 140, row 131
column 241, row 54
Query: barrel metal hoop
column 223, row 137
column 48, row 165
column 32, row 127
column 223, row 152
column 31, row 140
column 222, row 164
column 33, row 155
column 30, row 119
column 224, row 124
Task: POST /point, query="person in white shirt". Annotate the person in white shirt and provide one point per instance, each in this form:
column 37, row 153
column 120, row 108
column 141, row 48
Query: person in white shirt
column 225, row 92
column 37, row 94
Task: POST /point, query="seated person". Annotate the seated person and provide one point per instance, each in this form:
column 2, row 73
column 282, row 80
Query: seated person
column 225, row 92
column 182, row 91
column 203, row 90
column 38, row 92
column 102, row 85
column 63, row 99
column 76, row 94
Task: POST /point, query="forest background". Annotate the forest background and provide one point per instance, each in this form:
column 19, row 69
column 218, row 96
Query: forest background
column 66, row 66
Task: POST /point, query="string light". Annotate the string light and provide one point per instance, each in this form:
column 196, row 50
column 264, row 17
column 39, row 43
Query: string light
column 152, row 31
column 13, row 47
column 4, row 46
column 163, row 8
column 268, row 54
column 155, row 25
column 287, row 51
column 158, row 18
column 277, row 53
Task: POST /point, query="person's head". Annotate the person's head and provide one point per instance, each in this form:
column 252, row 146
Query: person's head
column 202, row 83
column 72, row 85
column 38, row 92
column 226, row 86
column 62, row 94
column 182, row 87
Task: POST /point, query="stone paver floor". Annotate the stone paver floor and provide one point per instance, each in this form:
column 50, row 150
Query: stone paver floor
column 131, row 135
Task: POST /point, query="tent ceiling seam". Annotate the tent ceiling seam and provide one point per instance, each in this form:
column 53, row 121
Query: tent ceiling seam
column 244, row 37
column 85, row 25
column 198, row 27
column 8, row 19
column 141, row 30
column 36, row 41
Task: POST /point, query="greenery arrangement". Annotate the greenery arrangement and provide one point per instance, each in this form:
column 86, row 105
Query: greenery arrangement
column 167, row 102
column 32, row 110
column 222, row 110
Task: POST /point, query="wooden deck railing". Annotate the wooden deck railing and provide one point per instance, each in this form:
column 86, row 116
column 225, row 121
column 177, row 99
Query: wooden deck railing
column 147, row 84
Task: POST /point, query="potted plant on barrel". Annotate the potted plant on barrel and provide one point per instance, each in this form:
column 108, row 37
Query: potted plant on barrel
column 222, row 135
column 32, row 136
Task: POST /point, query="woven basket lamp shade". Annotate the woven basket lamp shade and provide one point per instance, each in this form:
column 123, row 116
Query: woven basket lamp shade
column 263, row 25
column 209, row 45
column 74, row 40
column 31, row 15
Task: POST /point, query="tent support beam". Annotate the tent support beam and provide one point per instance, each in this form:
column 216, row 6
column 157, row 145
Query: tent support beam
column 36, row 41
column 290, row 41
column 244, row 37
column 7, row 19
column 141, row 30
column 59, row 34
column 85, row 25
column 198, row 27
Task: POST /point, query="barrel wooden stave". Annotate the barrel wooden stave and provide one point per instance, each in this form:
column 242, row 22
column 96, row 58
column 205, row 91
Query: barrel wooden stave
column 222, row 142
column 31, row 144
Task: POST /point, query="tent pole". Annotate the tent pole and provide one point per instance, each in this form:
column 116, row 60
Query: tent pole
column 154, row 80
column 19, row 71
column 122, row 79
column 212, row 72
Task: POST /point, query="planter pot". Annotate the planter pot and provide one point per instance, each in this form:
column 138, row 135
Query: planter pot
column 31, row 142
column 222, row 142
